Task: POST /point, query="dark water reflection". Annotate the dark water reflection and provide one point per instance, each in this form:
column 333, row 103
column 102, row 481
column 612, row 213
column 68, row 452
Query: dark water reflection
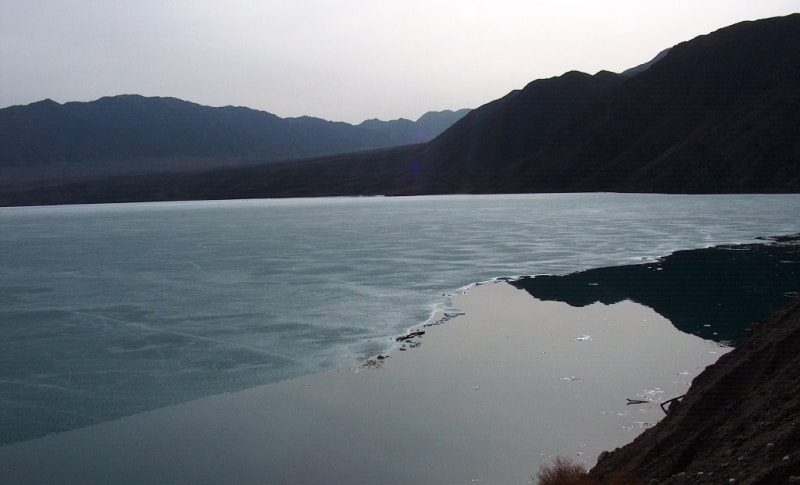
column 716, row 293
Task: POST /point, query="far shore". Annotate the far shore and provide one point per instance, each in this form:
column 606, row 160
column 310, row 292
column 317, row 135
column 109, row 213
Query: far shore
column 487, row 397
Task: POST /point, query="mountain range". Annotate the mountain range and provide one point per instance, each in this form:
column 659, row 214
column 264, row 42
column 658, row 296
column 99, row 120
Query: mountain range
column 717, row 114
column 48, row 142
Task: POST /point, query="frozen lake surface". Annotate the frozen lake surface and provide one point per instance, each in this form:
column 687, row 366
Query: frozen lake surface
column 110, row 310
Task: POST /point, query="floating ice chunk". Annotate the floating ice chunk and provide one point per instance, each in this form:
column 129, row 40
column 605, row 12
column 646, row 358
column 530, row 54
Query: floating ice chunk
column 653, row 395
column 635, row 425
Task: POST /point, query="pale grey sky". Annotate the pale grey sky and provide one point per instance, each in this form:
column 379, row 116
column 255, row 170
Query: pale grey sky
column 342, row 60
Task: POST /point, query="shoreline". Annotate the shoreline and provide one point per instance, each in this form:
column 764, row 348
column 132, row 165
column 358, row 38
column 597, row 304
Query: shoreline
column 508, row 383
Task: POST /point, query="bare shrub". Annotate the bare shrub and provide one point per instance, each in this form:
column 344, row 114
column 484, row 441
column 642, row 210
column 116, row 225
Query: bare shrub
column 563, row 471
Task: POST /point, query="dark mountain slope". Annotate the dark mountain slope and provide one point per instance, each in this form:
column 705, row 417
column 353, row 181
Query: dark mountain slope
column 480, row 148
column 720, row 113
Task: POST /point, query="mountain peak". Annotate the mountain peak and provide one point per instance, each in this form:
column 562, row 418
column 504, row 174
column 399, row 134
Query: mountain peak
column 43, row 104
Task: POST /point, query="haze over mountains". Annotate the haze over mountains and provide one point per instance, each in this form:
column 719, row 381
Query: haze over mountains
column 719, row 113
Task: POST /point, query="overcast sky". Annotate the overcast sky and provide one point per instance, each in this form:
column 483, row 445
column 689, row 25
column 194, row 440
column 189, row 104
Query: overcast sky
column 342, row 60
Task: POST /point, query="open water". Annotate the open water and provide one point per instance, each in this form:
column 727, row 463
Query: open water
column 110, row 310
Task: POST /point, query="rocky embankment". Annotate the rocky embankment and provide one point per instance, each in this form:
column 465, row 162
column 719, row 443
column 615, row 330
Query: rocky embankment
column 739, row 422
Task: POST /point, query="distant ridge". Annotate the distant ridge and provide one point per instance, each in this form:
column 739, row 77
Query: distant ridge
column 132, row 134
column 716, row 114
column 406, row 132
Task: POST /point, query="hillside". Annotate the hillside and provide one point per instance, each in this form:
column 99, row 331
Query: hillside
column 716, row 114
column 476, row 154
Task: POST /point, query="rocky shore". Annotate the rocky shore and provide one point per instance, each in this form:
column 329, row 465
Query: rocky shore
column 738, row 423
